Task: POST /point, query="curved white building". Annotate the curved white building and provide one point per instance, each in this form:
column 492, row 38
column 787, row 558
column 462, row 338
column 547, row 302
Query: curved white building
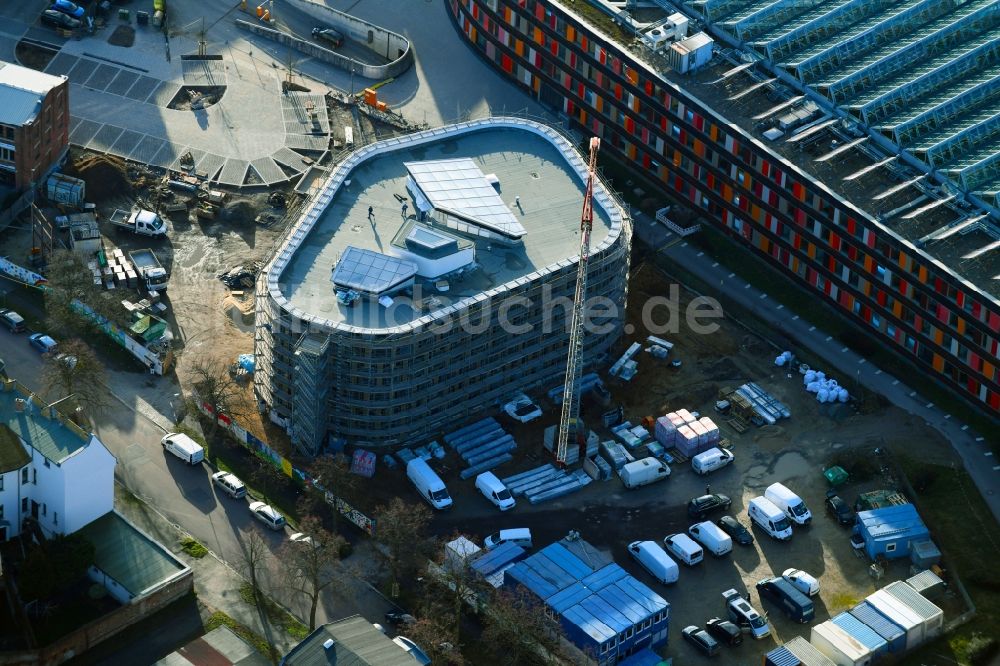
column 416, row 288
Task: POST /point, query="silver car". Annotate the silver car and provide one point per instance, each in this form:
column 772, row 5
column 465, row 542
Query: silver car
column 268, row 515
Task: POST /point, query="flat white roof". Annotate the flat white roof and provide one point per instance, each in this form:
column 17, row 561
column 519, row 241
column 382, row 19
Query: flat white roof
column 459, row 187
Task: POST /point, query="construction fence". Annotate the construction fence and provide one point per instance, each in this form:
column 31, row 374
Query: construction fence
column 260, row 449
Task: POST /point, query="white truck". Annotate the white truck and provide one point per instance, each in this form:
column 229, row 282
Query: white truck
column 151, row 273
column 139, row 221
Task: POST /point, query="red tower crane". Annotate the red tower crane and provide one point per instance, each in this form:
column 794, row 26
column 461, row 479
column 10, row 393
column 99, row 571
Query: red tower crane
column 569, row 421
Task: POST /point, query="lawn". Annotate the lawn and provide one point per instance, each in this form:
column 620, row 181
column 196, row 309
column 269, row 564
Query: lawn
column 964, row 529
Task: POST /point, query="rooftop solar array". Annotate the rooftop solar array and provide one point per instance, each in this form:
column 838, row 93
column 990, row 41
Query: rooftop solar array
column 371, row 272
column 925, row 73
column 459, row 186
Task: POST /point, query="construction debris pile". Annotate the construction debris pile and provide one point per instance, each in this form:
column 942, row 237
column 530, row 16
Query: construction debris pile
column 242, row 276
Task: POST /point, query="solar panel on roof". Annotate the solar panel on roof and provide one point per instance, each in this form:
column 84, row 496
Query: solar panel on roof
column 371, row 272
column 459, row 186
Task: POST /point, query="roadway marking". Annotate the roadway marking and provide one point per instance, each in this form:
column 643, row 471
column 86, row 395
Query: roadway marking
column 988, row 454
column 795, row 318
column 685, row 244
column 912, row 393
column 781, row 306
column 762, row 296
column 965, row 427
column 895, row 381
column 979, row 439
column 812, row 328
column 715, row 264
column 828, row 338
column 732, row 275
column 700, row 254
column 996, row 467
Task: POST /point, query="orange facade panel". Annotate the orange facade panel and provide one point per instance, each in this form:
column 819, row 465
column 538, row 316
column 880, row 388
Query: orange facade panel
column 519, row 47
column 922, row 275
column 538, row 36
column 570, row 33
column 897, row 309
column 938, row 363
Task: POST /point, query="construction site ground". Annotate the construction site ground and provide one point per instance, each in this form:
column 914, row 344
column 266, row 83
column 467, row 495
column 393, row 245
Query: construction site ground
column 794, row 452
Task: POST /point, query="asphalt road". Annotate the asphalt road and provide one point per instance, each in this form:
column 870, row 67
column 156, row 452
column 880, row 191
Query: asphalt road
column 182, row 494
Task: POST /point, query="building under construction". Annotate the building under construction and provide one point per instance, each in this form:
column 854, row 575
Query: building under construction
column 432, row 277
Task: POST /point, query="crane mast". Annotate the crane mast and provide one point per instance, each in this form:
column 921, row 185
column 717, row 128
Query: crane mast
column 569, row 421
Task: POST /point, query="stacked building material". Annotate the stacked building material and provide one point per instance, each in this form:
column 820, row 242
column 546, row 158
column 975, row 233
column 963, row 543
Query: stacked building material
column 767, row 407
column 545, row 482
column 482, row 445
column 587, row 382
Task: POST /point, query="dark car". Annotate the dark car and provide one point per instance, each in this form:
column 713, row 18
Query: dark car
column 60, row 20
column 328, row 35
column 724, row 631
column 13, row 321
column 736, row 530
column 701, row 640
column 67, row 7
column 700, row 507
column 840, row 510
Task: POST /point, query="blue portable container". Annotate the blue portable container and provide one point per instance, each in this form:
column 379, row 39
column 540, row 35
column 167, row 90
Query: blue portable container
column 862, row 633
column 893, row 634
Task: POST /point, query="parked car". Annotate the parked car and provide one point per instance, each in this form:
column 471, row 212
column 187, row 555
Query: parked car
column 13, row 321
column 267, row 515
column 60, row 20
column 724, row 631
column 67, row 7
column 328, row 35
column 522, row 409
column 699, row 507
column 230, row 484
column 803, row 582
column 736, row 530
column 42, row 342
column 413, row 649
column 840, row 510
column 701, row 640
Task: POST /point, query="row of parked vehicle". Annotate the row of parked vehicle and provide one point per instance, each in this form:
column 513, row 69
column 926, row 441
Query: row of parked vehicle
column 64, row 14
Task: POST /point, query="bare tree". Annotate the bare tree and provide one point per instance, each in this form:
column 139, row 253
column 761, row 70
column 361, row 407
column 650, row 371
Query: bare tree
column 218, row 389
column 458, row 587
column 312, row 564
column 432, row 637
column 519, row 631
column 75, row 371
column 68, row 279
column 402, row 528
column 255, row 550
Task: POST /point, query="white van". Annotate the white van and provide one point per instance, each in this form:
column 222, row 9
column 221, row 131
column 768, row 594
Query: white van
column 520, row 536
column 770, row 518
column 428, row 483
column 493, row 489
column 642, row 472
column 709, row 535
column 684, row 548
column 789, row 502
column 655, row 560
column 711, row 460
column 183, row 447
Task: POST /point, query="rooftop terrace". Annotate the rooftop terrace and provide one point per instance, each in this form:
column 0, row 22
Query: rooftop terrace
column 532, row 162
column 55, row 438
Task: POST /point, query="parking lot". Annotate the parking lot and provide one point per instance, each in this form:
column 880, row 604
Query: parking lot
column 793, row 452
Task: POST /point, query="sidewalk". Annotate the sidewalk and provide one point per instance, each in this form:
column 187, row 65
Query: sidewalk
column 978, row 460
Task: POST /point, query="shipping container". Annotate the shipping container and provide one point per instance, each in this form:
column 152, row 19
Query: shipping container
column 898, row 612
column 932, row 616
column 863, row 633
column 807, row 655
column 927, row 583
column 781, row 657
column 893, row 634
column 839, row 646
column 63, row 189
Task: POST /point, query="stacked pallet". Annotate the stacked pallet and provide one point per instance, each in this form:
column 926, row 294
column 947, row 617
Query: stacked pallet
column 690, row 435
